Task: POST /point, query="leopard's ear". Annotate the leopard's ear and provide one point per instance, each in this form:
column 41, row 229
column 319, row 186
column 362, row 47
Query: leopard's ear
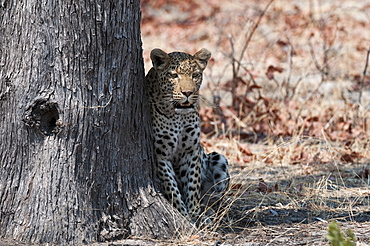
column 160, row 59
column 202, row 57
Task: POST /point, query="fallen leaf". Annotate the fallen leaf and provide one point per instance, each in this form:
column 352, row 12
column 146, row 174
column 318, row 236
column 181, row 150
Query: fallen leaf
column 270, row 71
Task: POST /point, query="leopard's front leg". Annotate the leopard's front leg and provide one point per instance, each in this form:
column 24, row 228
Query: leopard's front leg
column 170, row 187
column 190, row 168
column 191, row 183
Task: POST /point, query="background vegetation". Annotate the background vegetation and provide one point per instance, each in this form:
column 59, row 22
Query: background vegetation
column 286, row 97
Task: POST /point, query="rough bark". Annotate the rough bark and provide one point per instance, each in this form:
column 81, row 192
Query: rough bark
column 75, row 160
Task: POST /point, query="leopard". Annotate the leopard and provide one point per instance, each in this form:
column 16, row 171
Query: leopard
column 189, row 176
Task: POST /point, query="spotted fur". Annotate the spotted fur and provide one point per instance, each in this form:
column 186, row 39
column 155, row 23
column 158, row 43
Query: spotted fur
column 187, row 173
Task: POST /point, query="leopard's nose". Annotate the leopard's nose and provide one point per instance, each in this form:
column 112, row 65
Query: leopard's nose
column 187, row 93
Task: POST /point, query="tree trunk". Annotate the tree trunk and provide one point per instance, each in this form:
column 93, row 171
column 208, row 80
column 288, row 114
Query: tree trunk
column 76, row 162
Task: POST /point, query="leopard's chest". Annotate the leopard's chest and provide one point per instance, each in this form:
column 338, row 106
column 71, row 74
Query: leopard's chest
column 176, row 137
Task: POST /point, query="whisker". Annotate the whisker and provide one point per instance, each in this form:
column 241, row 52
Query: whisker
column 206, row 102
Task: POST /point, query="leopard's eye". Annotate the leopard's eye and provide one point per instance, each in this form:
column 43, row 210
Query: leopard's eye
column 196, row 75
column 173, row 75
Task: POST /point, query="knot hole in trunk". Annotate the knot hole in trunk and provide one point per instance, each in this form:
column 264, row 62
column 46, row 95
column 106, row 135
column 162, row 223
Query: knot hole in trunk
column 43, row 115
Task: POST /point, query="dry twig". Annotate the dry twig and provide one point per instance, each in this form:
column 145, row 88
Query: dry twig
column 362, row 86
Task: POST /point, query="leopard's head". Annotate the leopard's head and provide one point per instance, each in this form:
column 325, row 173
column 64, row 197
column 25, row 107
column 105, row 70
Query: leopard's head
column 179, row 77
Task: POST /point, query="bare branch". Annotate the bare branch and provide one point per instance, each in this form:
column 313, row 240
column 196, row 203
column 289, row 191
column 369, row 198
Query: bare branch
column 362, row 86
column 363, row 76
column 250, row 34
